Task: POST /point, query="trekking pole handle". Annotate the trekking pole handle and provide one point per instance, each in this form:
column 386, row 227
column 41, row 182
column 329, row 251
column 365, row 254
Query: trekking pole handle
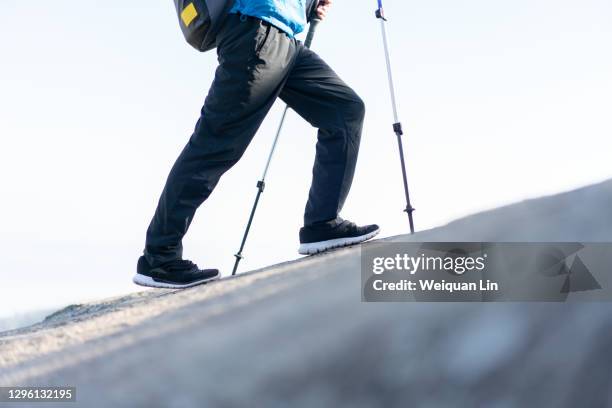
column 314, row 22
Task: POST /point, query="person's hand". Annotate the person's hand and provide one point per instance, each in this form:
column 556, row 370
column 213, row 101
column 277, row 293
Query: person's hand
column 323, row 8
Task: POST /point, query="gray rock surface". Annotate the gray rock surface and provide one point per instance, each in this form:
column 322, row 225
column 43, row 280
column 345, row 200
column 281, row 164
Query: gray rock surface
column 297, row 335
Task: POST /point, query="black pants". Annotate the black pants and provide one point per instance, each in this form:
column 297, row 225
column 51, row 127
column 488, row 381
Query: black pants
column 257, row 64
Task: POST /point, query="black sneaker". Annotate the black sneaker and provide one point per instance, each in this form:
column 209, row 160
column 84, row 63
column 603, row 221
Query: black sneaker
column 334, row 234
column 174, row 275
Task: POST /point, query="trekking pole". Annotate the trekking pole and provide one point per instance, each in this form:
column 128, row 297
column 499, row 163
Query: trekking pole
column 261, row 184
column 397, row 125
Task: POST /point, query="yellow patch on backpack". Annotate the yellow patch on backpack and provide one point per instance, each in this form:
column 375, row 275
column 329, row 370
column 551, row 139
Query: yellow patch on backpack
column 189, row 14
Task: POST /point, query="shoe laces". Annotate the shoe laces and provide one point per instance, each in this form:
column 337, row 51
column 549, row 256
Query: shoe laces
column 180, row 265
column 348, row 224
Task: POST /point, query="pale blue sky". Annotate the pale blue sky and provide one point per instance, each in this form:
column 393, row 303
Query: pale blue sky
column 500, row 101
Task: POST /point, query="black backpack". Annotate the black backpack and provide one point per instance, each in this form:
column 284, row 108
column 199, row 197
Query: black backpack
column 200, row 20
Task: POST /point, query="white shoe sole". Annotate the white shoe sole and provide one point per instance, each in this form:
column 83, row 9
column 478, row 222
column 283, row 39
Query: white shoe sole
column 147, row 281
column 316, row 247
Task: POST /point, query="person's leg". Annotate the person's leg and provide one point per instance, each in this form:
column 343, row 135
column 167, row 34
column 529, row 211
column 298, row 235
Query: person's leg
column 254, row 61
column 316, row 92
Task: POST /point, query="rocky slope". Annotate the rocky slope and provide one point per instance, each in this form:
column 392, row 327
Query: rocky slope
column 297, row 334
